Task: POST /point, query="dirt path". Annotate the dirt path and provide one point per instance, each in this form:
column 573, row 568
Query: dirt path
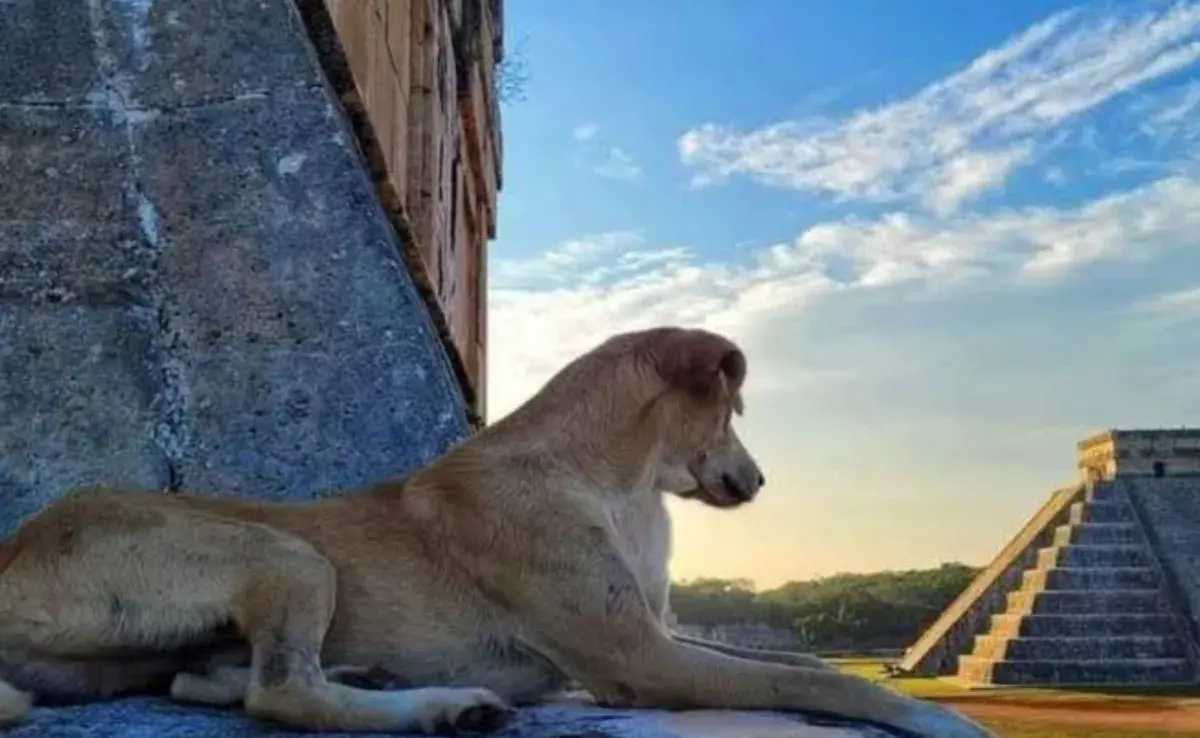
column 1151, row 716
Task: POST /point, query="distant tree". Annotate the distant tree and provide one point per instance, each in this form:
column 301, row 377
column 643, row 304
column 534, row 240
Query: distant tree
column 715, row 602
column 886, row 609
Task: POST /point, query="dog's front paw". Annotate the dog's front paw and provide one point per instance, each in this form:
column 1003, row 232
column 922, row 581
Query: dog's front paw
column 451, row 711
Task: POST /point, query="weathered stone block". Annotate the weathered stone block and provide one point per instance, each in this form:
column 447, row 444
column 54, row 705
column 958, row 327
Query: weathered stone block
column 272, row 160
column 46, row 51
column 1084, row 601
column 1079, row 648
column 1101, row 512
column 1122, row 578
column 288, row 305
column 61, row 165
column 1077, row 555
column 293, row 287
column 1102, row 491
column 77, row 387
column 1109, row 624
column 1171, row 507
column 1109, row 671
column 284, row 246
column 172, row 54
column 280, row 424
column 1097, row 533
column 63, row 262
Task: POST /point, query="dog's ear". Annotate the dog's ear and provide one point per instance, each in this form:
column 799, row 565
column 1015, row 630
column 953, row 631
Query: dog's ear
column 695, row 360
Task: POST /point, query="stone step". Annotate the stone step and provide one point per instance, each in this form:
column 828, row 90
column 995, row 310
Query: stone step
column 1083, row 601
column 1097, row 533
column 1108, row 555
column 1126, row 671
column 1101, row 512
column 1079, row 647
column 1090, row 577
column 1105, row 493
column 1050, row 626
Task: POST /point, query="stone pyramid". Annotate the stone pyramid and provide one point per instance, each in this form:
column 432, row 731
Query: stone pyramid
column 1100, row 588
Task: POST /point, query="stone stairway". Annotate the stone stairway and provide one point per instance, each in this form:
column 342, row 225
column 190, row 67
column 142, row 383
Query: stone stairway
column 1091, row 610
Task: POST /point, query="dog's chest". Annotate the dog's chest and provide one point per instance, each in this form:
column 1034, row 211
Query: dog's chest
column 643, row 531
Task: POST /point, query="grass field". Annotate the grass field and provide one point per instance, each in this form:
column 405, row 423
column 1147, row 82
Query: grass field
column 1148, row 712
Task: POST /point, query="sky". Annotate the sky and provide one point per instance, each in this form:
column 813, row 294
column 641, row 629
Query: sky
column 952, row 238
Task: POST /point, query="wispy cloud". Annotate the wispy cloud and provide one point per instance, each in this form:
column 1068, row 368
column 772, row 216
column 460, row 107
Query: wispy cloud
column 961, row 136
column 617, row 282
column 585, row 131
column 568, row 262
column 1175, row 306
column 618, row 164
column 1056, row 176
column 1174, row 117
column 613, row 162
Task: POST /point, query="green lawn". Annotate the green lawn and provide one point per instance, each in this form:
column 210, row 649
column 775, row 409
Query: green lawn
column 1054, row 726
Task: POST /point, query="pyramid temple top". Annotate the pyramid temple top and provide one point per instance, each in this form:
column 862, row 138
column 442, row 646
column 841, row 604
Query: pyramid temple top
column 1140, row 452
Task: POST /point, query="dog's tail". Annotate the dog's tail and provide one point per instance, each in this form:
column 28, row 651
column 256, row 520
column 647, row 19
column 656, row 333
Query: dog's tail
column 14, row 705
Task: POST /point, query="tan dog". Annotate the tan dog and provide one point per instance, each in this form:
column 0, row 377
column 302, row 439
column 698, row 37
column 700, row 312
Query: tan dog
column 532, row 554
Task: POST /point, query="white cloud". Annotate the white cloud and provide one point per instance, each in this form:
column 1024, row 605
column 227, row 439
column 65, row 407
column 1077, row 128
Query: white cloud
column 547, row 310
column 965, row 134
column 570, row 261
column 618, row 164
column 1056, row 176
column 1173, row 117
column 970, row 174
column 1180, row 305
column 585, row 131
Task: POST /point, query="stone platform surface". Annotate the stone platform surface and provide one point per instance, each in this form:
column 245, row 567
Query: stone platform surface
column 154, row 718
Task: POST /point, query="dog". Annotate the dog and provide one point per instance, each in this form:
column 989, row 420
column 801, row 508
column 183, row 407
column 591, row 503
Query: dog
column 530, row 556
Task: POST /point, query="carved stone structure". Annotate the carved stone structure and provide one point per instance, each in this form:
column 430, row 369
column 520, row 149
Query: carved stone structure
column 1140, row 453
column 421, row 76
column 1102, row 587
column 745, row 635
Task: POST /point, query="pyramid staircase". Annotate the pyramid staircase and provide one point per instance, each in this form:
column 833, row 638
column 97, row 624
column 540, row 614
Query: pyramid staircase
column 1092, row 610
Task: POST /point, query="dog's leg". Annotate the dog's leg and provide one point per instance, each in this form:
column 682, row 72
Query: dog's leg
column 284, row 615
column 754, row 654
column 95, row 577
column 221, row 686
column 631, row 659
column 224, row 685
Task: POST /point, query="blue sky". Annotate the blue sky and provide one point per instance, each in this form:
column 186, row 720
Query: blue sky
column 953, row 239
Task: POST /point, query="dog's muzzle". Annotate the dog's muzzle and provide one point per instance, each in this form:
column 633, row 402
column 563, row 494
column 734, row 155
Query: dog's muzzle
column 744, row 485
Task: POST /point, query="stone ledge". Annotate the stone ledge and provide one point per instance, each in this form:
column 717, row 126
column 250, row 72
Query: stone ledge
column 151, row 718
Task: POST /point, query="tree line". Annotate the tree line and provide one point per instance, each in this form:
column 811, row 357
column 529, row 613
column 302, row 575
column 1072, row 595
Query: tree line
column 843, row 612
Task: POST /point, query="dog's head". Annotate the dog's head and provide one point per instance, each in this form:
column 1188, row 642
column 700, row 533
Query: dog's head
column 702, row 458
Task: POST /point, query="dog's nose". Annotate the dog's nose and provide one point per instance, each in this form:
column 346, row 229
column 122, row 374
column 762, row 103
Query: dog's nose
column 739, row 490
column 761, row 479
column 732, row 488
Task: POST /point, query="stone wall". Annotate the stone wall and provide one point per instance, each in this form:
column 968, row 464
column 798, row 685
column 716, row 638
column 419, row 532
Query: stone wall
column 199, row 287
column 746, row 635
column 1170, row 509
